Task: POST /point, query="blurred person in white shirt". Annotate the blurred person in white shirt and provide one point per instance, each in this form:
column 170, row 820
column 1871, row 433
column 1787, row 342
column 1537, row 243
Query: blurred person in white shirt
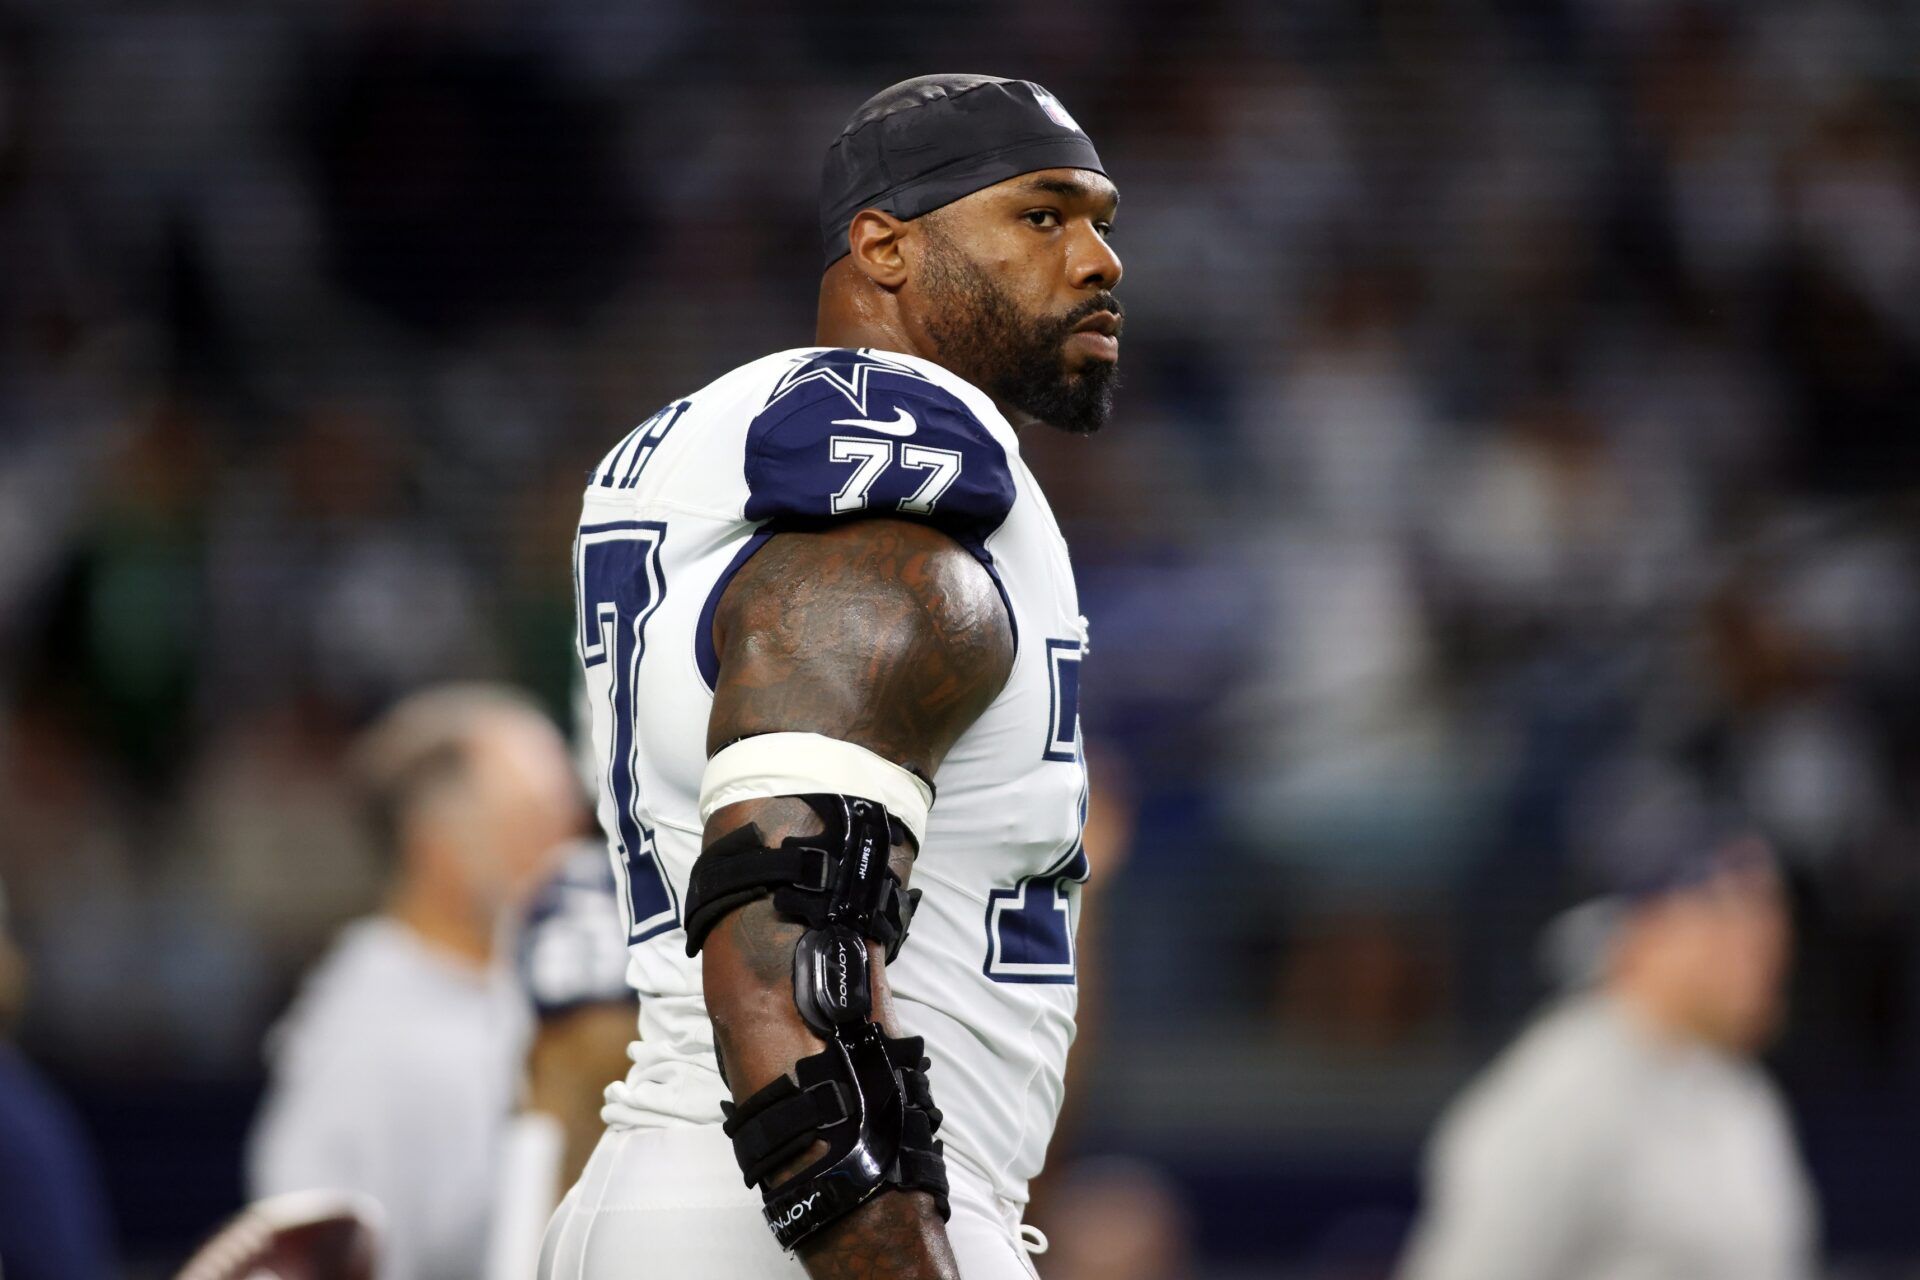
column 1629, row 1134
column 398, row 1067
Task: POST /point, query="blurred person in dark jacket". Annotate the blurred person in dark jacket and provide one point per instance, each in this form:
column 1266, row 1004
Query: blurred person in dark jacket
column 53, row 1219
column 1629, row 1134
column 398, row 1067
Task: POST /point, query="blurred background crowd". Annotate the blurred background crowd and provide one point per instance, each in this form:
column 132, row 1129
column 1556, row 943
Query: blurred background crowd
column 1521, row 415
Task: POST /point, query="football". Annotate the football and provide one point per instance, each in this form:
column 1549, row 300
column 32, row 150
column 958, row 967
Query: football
column 307, row 1235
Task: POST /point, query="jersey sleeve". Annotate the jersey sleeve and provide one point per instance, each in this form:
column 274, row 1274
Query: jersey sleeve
column 851, row 434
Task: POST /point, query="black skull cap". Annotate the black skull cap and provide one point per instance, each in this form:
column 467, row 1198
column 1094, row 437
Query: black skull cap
column 928, row 141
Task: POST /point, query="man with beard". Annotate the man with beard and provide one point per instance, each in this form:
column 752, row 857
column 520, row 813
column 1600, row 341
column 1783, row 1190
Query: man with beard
column 811, row 594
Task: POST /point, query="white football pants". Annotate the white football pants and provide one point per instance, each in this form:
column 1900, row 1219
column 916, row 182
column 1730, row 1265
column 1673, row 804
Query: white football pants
column 669, row 1204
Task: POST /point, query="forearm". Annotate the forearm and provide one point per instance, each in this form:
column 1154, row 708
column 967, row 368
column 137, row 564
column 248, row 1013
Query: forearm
column 760, row 1035
column 748, row 975
column 897, row 1235
column 749, row 968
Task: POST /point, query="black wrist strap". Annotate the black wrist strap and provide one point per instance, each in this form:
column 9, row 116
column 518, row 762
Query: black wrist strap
column 852, row 1096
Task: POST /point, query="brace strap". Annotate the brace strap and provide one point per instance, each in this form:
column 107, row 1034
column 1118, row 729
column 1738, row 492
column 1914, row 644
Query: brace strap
column 779, row 1123
column 803, row 875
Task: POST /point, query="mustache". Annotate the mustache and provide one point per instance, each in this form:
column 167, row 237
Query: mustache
column 1102, row 301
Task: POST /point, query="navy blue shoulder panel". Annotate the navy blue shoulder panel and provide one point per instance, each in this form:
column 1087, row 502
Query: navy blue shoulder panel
column 855, row 433
column 852, row 433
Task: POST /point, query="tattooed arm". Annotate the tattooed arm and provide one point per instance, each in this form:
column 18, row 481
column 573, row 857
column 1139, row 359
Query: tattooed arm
column 887, row 634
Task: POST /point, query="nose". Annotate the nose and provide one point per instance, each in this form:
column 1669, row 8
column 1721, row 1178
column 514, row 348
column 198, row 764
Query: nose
column 1092, row 263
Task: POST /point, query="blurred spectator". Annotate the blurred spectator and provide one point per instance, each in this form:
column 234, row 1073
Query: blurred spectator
column 396, row 1070
column 1117, row 1219
column 53, row 1219
column 264, row 805
column 127, row 634
column 1628, row 1131
column 573, row 963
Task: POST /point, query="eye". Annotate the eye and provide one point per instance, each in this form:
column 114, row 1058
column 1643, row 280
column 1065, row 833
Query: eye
column 1105, row 229
column 1045, row 218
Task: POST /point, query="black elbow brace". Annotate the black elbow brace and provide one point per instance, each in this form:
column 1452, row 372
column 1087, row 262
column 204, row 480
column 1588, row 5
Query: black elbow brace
column 866, row 1096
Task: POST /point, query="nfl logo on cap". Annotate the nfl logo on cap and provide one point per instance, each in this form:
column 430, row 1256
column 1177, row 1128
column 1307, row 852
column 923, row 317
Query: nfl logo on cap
column 1055, row 112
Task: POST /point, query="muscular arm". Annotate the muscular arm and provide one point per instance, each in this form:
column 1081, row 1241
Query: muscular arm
column 879, row 632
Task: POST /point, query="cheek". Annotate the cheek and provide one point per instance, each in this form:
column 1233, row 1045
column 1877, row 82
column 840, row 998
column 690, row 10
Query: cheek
column 1030, row 270
column 505, row 843
column 1707, row 951
column 532, row 846
column 1748, row 962
column 1008, row 252
column 1773, row 948
column 557, row 824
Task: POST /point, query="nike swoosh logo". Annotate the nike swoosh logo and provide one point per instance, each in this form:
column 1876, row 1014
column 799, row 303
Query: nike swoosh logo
column 902, row 425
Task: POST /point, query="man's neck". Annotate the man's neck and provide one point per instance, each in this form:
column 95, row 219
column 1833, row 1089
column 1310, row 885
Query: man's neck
column 854, row 325
column 1654, row 1010
column 856, row 313
column 435, row 918
column 882, row 335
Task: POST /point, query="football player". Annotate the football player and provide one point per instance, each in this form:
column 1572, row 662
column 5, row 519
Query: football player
column 831, row 637
column 573, row 964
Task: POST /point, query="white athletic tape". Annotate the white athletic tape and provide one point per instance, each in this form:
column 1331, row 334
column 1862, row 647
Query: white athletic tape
column 797, row 764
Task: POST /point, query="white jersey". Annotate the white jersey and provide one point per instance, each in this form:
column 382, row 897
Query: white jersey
column 798, row 439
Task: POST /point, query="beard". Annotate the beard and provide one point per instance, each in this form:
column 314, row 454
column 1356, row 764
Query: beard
column 1017, row 359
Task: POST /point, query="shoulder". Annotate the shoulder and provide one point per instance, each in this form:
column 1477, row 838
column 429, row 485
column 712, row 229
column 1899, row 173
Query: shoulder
column 868, row 588
column 884, row 632
column 1562, row 1084
column 1761, row 1096
column 846, row 432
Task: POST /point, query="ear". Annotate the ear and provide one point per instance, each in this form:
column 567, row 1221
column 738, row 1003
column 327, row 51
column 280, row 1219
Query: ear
column 873, row 241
